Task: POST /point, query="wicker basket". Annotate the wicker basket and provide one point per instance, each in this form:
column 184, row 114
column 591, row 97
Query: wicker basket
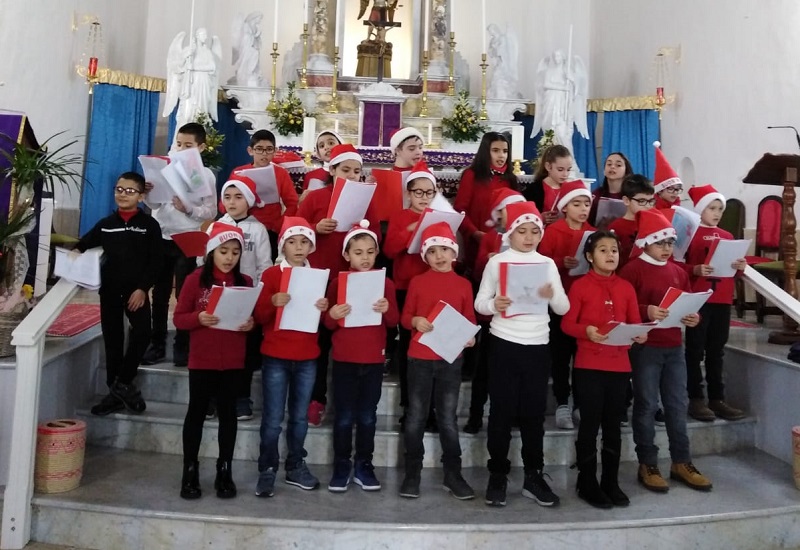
column 8, row 322
column 59, row 456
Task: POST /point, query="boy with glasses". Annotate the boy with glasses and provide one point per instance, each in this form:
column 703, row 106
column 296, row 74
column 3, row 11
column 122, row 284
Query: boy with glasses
column 637, row 194
column 666, row 182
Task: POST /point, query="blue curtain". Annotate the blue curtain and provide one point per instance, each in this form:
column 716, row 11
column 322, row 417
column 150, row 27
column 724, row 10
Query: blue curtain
column 632, row 133
column 123, row 127
column 584, row 149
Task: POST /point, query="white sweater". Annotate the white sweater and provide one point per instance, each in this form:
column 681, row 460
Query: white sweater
column 257, row 253
column 528, row 330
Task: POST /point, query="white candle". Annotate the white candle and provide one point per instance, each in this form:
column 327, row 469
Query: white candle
column 338, row 24
column 309, row 133
column 452, row 7
column 483, row 22
column 305, row 11
column 275, row 24
column 517, row 142
column 336, row 125
column 427, row 24
column 430, row 133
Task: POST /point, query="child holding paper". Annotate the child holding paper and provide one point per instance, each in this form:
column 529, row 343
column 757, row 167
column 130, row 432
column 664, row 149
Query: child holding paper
column 358, row 355
column 439, row 283
column 637, row 194
column 601, row 371
column 616, row 168
column 325, row 142
column 519, row 359
column 289, row 368
column 216, row 358
column 554, row 170
column 706, row 342
column 667, row 184
column 561, row 243
column 659, row 366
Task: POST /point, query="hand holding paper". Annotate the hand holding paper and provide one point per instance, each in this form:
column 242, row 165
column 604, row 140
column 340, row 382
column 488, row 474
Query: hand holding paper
column 681, row 306
column 231, row 306
column 521, row 285
column 723, row 254
column 361, row 290
column 349, row 202
column 582, row 267
column 621, row 334
column 304, row 288
column 81, row 269
column 450, row 334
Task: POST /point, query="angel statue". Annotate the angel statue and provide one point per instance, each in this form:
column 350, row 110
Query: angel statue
column 192, row 77
column 247, row 50
column 382, row 10
column 503, row 58
column 561, row 89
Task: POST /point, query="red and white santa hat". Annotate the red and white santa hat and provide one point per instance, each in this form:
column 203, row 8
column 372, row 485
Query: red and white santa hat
column 571, row 190
column 219, row 233
column 421, row 170
column 703, row 196
column 653, row 227
column 343, row 152
column 518, row 213
column 402, row 134
column 293, row 226
column 247, row 186
column 501, row 198
column 438, row 234
column 361, row 229
column 665, row 175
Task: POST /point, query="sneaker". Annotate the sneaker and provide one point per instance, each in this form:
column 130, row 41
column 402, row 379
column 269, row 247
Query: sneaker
column 689, row 475
column 341, row 476
column 410, row 486
column 211, row 411
column 473, row 425
column 659, row 418
column 623, row 420
column 154, row 355
column 130, row 396
column 576, row 416
column 496, row 490
column 316, row 411
column 299, row 476
column 108, row 405
column 564, row 418
column 244, row 409
column 180, row 356
column 726, row 412
column 536, row 487
column 457, row 485
column 651, row 478
column 364, row 475
column 699, row 411
column 265, row 487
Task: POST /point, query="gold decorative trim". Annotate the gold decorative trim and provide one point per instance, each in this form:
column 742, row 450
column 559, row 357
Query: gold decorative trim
column 131, row 80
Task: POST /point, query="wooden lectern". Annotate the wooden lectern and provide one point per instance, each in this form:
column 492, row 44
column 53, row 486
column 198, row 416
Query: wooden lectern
column 782, row 170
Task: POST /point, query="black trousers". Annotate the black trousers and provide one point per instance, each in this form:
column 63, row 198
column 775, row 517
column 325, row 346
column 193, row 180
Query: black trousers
column 480, row 376
column 175, row 266
column 562, row 350
column 402, row 351
column 203, row 385
column 121, row 363
column 518, row 376
column 603, row 397
column 707, row 341
column 252, row 361
column 320, row 392
column 273, row 245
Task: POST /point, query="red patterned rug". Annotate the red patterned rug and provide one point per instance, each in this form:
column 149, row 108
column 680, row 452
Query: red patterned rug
column 75, row 319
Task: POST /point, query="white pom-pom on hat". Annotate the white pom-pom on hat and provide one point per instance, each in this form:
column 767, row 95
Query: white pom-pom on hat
column 364, row 224
column 362, row 228
column 656, row 143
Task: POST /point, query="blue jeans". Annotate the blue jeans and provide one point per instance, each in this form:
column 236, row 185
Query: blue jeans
column 356, row 392
column 279, row 378
column 659, row 371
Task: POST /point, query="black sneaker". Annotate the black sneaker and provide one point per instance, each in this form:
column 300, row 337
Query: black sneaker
column 455, row 483
column 108, row 405
column 130, row 396
column 473, row 425
column 536, row 487
column 155, row 354
column 410, row 486
column 659, row 418
column 496, row 490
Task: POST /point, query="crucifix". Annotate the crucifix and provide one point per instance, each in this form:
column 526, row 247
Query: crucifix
column 380, row 20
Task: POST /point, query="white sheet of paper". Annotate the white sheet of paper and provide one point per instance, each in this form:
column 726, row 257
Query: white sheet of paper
column 610, row 209
column 451, row 332
column 725, row 254
column 364, row 288
column 306, row 286
column 161, row 192
column 352, row 204
column 236, row 305
column 430, row 217
column 623, row 334
column 83, row 270
column 522, row 287
column 441, row 204
column 685, row 222
column 266, row 184
column 583, row 264
column 314, row 184
column 686, row 304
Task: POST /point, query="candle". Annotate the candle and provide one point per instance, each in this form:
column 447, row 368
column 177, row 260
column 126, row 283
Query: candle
column 430, row 133
column 336, row 125
column 517, row 143
column 275, row 24
column 93, row 67
column 452, row 7
column 427, row 24
column 309, row 133
column 483, row 22
column 305, row 11
column 338, row 34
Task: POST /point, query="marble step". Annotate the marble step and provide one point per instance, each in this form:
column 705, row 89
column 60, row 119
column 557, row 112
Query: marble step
column 130, row 500
column 159, row 429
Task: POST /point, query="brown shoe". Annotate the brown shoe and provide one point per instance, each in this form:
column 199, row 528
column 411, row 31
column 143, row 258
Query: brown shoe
column 699, row 411
column 650, row 477
column 725, row 411
column 689, row 475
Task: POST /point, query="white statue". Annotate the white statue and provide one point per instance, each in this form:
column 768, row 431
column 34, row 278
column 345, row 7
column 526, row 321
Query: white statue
column 247, row 50
column 561, row 89
column 192, row 77
column 503, row 58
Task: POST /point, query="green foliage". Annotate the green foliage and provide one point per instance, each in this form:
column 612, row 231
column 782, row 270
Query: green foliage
column 212, row 154
column 548, row 139
column 288, row 114
column 464, row 124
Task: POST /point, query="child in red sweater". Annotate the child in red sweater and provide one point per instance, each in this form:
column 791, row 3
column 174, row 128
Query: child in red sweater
column 216, row 358
column 637, row 194
column 659, row 366
column 316, row 179
column 560, row 242
column 358, row 355
column 601, row 371
column 440, row 283
column 706, row 342
column 617, row 167
column 289, row 367
column 553, row 172
column 667, row 184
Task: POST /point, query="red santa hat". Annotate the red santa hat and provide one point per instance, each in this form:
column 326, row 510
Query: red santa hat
column 421, row 170
column 571, row 190
column 361, row 229
column 438, row 234
column 402, row 134
column 246, row 186
column 703, row 196
column 219, row 233
column 293, row 226
column 343, row 152
column 665, row 175
column 653, row 227
column 501, row 198
column 518, row 213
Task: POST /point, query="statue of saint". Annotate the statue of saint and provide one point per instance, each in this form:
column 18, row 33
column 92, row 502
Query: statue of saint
column 503, row 59
column 382, row 10
column 247, row 50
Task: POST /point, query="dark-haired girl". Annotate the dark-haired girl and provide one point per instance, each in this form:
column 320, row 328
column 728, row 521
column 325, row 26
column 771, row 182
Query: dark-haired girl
column 616, row 167
column 553, row 171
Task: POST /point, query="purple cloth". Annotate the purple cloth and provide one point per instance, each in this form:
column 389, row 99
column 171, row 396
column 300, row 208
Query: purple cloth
column 11, row 125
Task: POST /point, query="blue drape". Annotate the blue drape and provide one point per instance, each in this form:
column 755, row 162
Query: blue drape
column 123, row 127
column 585, row 149
column 632, row 133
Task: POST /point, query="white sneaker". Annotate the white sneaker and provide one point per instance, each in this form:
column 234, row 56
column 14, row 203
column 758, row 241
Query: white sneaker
column 564, row 418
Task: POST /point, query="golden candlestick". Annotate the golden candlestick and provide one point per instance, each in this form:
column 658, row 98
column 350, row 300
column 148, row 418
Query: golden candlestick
column 273, row 104
column 451, row 86
column 334, row 107
column 483, row 115
column 304, row 69
column 423, row 112
column 518, row 167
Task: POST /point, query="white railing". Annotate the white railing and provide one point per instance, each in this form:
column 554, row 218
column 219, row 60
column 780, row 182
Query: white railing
column 773, row 293
column 28, row 337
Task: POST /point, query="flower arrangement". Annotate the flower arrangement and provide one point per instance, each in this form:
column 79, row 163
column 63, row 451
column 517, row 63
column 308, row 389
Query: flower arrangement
column 548, row 139
column 464, row 124
column 212, row 154
column 288, row 113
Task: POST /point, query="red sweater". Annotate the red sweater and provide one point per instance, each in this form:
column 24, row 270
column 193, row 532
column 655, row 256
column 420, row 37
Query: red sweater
column 328, row 254
column 271, row 215
column 661, row 204
column 474, row 198
column 595, row 300
column 559, row 242
column 406, row 266
column 723, row 287
column 291, row 345
column 626, row 231
column 209, row 348
column 318, row 174
column 424, row 294
column 490, row 244
column 651, row 283
column 363, row 345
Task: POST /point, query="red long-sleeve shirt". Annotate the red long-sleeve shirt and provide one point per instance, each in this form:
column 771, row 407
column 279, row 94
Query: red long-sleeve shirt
column 424, row 294
column 490, row 244
column 626, row 231
column 318, row 174
column 662, row 204
column 271, row 215
column 559, row 242
column 595, row 300
column 362, row 345
column 406, row 266
column 474, row 198
column 723, row 287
